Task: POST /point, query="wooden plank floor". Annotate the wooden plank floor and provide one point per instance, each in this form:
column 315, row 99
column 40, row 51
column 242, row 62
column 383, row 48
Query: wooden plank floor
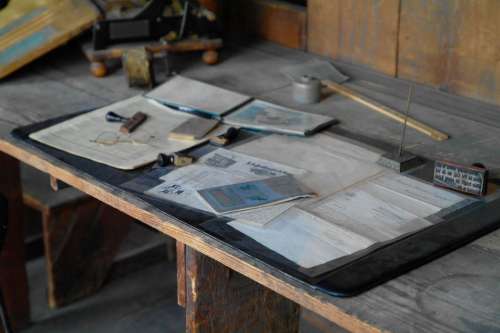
column 144, row 301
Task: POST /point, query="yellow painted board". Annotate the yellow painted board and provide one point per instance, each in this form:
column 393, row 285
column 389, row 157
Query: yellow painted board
column 31, row 28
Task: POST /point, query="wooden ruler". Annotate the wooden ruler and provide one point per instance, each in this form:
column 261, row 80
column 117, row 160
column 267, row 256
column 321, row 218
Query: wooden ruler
column 385, row 110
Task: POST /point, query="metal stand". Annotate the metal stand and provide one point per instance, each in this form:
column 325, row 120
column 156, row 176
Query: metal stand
column 402, row 160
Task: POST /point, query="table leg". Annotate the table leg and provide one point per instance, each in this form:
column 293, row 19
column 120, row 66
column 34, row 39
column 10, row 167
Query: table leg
column 13, row 277
column 220, row 300
column 181, row 274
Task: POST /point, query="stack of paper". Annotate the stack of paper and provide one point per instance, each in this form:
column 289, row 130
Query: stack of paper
column 191, row 95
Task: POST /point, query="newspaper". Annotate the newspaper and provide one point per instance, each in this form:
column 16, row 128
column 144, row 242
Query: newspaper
column 218, row 168
column 92, row 137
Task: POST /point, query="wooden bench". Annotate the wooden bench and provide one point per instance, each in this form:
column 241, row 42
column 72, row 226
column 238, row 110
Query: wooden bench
column 85, row 240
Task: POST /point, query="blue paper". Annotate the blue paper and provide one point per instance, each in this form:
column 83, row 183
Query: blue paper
column 236, row 197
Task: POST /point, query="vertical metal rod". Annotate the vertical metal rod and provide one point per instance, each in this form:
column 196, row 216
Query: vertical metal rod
column 403, row 131
column 184, row 19
column 166, row 59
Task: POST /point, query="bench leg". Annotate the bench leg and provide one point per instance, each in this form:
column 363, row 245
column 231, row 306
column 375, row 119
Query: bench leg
column 181, row 273
column 220, row 300
column 13, row 277
column 81, row 240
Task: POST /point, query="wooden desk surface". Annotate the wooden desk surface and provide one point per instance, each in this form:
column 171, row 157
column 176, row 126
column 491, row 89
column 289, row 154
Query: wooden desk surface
column 456, row 293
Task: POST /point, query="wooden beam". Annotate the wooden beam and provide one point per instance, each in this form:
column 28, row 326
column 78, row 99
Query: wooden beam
column 223, row 301
column 13, row 278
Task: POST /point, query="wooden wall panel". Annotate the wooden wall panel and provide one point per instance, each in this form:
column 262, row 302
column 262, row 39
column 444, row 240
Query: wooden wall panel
column 273, row 20
column 357, row 31
column 453, row 45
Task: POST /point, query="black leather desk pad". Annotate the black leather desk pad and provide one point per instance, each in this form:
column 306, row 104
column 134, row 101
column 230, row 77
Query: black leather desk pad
column 342, row 277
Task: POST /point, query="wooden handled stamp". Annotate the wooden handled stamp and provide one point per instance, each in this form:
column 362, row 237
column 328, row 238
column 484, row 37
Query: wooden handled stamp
column 132, row 123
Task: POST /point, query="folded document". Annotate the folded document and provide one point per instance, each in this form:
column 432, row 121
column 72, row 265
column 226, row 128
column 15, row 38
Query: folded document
column 253, row 194
column 270, row 117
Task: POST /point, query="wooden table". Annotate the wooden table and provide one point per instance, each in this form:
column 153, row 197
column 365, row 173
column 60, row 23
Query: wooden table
column 456, row 293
